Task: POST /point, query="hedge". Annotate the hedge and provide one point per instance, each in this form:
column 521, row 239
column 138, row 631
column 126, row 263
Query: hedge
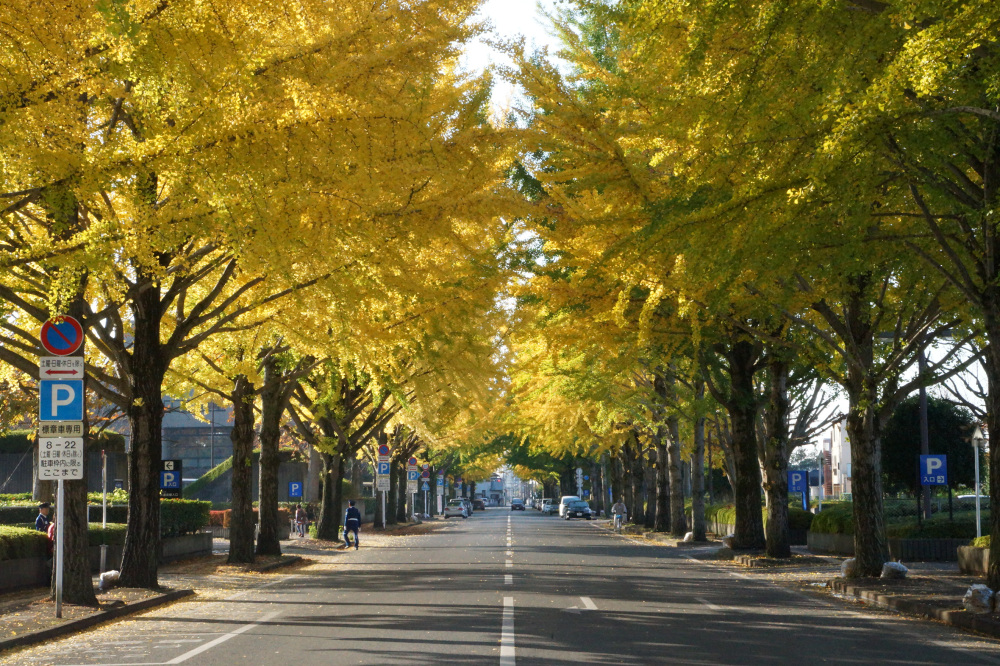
column 179, row 517
column 798, row 519
column 113, row 536
column 21, row 542
column 839, row 519
column 224, row 518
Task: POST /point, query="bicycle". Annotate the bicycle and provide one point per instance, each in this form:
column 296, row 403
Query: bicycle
column 619, row 523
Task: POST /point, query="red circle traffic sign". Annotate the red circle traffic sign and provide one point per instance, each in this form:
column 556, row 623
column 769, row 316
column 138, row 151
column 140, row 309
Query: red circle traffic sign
column 412, row 461
column 61, row 336
column 383, row 450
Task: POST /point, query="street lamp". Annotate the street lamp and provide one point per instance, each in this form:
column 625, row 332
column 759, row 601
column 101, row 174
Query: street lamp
column 977, row 442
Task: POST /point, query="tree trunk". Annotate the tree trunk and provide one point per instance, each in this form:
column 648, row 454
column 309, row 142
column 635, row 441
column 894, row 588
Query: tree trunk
column 357, row 467
column 314, row 469
column 698, row 474
column 141, row 552
column 650, row 491
column 242, row 523
column 272, row 409
column 331, row 490
column 775, row 461
column 991, row 365
column 394, row 493
column 597, row 487
column 678, row 522
column 742, row 407
column 662, row 522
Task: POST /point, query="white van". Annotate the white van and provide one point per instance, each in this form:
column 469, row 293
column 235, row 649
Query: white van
column 563, row 501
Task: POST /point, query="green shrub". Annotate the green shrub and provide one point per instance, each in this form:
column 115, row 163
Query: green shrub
column 117, row 496
column 114, row 535
column 14, row 498
column 938, row 527
column 21, row 542
column 21, row 514
column 798, row 519
column 179, row 517
column 116, row 514
column 208, row 477
column 834, row 519
column 981, row 542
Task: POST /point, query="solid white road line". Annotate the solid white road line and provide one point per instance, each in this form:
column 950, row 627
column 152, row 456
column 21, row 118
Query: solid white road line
column 510, row 563
column 222, row 639
column 508, row 579
column 588, row 603
column 507, row 633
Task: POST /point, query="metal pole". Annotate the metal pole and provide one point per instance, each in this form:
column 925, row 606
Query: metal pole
column 104, row 510
column 924, row 432
column 60, row 540
column 979, row 523
column 211, row 417
column 383, row 509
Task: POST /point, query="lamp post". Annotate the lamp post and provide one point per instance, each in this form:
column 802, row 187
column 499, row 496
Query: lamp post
column 977, row 442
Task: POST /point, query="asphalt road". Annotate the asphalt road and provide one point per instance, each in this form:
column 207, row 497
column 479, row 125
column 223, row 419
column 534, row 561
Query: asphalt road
column 514, row 588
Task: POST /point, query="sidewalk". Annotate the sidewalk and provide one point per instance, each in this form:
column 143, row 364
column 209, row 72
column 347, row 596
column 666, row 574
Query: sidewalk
column 931, row 590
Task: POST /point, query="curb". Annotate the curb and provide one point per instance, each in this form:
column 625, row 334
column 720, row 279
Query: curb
column 963, row 619
column 292, row 559
column 93, row 620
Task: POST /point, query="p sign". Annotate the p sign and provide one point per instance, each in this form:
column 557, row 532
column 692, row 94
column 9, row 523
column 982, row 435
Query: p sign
column 934, row 470
column 797, row 481
column 294, row 489
column 60, row 400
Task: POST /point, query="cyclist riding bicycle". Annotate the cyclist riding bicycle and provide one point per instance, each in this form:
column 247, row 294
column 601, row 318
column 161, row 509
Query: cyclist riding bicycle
column 619, row 511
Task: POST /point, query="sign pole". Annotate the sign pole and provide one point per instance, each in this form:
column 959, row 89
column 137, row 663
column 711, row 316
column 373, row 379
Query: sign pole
column 60, row 540
column 979, row 522
column 104, row 510
column 383, row 509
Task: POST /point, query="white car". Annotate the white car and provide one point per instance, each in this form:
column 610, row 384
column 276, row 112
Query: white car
column 563, row 501
column 456, row 509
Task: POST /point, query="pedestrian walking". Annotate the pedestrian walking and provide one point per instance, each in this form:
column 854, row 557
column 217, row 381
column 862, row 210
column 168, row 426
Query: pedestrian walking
column 352, row 523
column 300, row 520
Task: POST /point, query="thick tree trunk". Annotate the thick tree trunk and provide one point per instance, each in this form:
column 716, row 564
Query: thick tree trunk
column 650, row 491
column 331, row 490
column 272, row 409
column 618, row 485
column 357, row 468
column 991, row 364
column 775, row 461
column 662, row 521
column 313, row 473
column 678, row 522
column 870, row 546
column 242, row 523
column 394, row 493
column 742, row 407
column 597, row 484
column 698, row 476
column 140, row 555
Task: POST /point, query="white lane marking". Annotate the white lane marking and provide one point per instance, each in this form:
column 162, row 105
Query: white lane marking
column 588, row 603
column 182, row 640
column 222, row 639
column 510, row 563
column 508, row 579
column 507, row 655
column 710, row 606
column 510, row 553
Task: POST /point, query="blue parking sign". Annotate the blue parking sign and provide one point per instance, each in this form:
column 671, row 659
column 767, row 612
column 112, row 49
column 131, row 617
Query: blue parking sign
column 170, row 480
column 934, row 470
column 60, row 400
column 383, row 468
column 797, row 481
column 294, row 489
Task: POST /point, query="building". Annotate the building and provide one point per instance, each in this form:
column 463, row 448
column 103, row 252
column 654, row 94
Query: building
column 839, row 448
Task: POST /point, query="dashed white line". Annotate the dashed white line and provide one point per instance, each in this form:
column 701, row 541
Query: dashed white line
column 510, row 563
column 710, row 606
column 588, row 603
column 508, row 579
column 507, row 654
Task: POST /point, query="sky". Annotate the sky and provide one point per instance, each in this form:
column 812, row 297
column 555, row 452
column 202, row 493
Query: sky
column 510, row 19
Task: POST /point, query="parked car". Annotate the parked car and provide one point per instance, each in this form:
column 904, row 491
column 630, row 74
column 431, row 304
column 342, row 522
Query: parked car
column 550, row 508
column 577, row 509
column 563, row 501
column 517, row 504
column 540, row 504
column 478, row 504
column 455, row 509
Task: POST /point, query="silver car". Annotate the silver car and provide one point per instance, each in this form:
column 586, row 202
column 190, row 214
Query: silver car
column 456, row 509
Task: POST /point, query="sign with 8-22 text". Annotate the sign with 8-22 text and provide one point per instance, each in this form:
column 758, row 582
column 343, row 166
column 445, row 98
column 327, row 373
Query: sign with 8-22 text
column 60, row 458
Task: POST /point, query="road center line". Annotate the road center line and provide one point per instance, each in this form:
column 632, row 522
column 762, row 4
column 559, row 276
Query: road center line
column 510, row 563
column 710, row 606
column 508, row 579
column 222, row 639
column 507, row 633
column 588, row 603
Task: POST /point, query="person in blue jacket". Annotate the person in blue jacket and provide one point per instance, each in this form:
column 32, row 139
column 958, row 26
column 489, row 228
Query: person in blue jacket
column 352, row 523
column 42, row 520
